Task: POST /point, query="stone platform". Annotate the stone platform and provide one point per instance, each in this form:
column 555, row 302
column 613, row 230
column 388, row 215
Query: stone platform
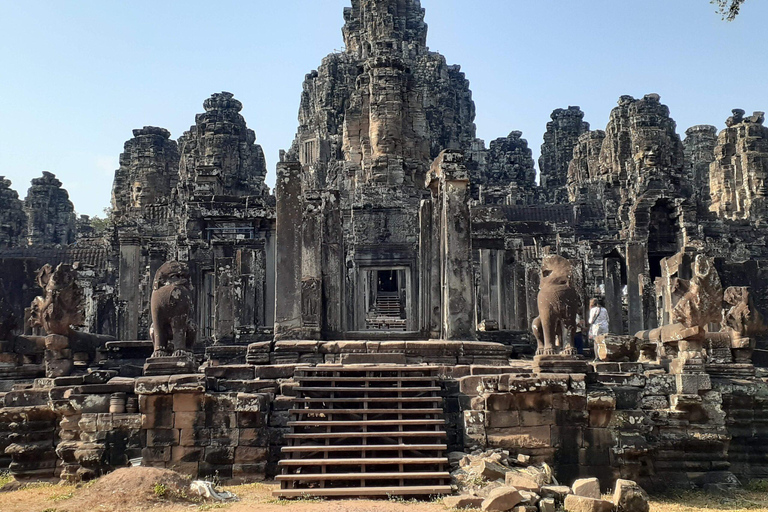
column 439, row 352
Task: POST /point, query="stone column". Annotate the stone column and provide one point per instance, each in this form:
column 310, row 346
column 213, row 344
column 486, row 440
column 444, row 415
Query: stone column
column 311, row 272
column 613, row 294
column 224, row 320
column 425, row 266
column 333, row 265
column 128, row 286
column 521, row 297
column 449, row 177
column 288, row 213
column 635, row 270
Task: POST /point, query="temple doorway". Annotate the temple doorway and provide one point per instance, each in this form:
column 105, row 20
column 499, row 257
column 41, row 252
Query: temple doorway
column 386, row 300
column 663, row 234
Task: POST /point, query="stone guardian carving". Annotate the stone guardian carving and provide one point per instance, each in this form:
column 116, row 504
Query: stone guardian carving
column 61, row 305
column 558, row 303
column 172, row 331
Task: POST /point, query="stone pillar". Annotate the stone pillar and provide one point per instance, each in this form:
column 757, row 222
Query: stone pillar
column 531, row 294
column 613, row 294
column 224, row 320
column 521, row 298
column 425, row 268
column 449, row 179
column 288, row 213
column 311, row 261
column 128, row 286
column 635, row 270
column 269, row 290
column 333, row 266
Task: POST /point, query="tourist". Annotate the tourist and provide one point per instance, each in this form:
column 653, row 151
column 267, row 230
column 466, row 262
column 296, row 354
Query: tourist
column 598, row 319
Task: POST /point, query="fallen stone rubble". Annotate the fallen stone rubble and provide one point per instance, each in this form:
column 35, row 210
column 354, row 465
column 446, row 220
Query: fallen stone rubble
column 497, row 481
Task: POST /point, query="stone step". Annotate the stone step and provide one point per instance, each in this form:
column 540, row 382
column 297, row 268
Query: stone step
column 374, row 399
column 433, row 490
column 341, row 435
column 364, row 448
column 363, row 423
column 411, row 475
column 367, row 411
column 425, row 389
column 364, row 460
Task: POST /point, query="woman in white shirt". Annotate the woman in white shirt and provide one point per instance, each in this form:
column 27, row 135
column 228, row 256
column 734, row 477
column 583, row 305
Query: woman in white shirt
column 598, row 319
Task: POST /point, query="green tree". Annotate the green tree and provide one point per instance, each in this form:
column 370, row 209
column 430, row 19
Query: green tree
column 729, row 9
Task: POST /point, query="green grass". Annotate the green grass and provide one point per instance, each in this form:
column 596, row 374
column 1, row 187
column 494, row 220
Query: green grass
column 5, row 477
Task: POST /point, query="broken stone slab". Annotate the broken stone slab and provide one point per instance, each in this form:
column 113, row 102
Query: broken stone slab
column 502, row 499
column 529, row 498
column 587, row 487
column 489, row 470
column 630, row 497
column 463, row 501
column 574, row 503
column 547, row 505
column 522, row 481
column 556, row 492
column 616, row 348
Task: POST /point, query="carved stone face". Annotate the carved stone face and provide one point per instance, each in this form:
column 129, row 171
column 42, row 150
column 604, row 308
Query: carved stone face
column 139, row 195
column 172, row 273
column 651, row 156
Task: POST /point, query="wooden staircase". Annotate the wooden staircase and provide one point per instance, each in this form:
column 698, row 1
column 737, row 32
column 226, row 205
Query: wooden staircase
column 386, row 313
column 363, row 431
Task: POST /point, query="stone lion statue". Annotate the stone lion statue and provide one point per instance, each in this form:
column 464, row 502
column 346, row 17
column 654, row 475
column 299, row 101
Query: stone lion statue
column 702, row 302
column 172, row 331
column 61, row 306
column 558, row 303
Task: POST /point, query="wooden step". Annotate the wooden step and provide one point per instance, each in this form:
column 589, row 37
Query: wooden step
column 363, row 476
column 363, row 460
column 341, row 435
column 364, row 368
column 425, row 389
column 433, row 490
column 369, row 379
column 364, row 448
column 367, row 411
column 403, row 399
column 362, row 423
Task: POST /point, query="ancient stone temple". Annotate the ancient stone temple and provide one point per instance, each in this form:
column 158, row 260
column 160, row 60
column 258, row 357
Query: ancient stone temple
column 13, row 220
column 50, row 213
column 404, row 292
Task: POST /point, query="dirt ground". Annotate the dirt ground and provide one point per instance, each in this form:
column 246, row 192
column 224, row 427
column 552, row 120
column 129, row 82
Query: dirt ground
column 164, row 492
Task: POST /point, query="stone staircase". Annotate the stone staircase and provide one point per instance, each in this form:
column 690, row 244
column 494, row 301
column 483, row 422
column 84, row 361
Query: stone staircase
column 363, row 431
column 386, row 313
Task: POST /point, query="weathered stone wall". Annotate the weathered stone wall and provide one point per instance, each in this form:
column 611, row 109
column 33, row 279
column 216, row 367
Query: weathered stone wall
column 562, row 135
column 50, row 213
column 740, row 170
column 13, row 220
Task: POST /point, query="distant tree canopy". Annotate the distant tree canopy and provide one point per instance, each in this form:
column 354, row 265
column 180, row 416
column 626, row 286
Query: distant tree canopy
column 729, row 9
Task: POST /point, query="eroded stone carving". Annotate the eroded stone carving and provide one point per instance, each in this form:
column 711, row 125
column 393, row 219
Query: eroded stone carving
column 558, row 303
column 172, row 331
column 50, row 213
column 60, row 307
column 701, row 304
column 13, row 220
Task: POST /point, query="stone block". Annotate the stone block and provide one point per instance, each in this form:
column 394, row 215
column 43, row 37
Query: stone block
column 537, row 418
column 162, row 437
column 630, row 497
column 463, row 501
column 574, row 503
column 587, row 487
column 523, row 437
column 547, row 505
column 186, row 453
column 152, row 385
column 502, row 499
column 187, row 383
column 556, row 492
column 250, row 454
column 219, row 454
column 490, row 470
column 188, row 420
column 502, row 419
column 188, row 402
column 232, row 372
column 522, row 481
column 156, row 454
column 194, row 437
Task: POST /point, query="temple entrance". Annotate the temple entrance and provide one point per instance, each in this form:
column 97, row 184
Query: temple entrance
column 386, row 300
column 663, row 233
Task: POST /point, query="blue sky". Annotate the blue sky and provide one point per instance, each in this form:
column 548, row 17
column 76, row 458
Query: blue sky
column 78, row 76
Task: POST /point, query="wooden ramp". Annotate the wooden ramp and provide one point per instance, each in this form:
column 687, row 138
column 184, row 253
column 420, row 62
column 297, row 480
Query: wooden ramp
column 362, row 431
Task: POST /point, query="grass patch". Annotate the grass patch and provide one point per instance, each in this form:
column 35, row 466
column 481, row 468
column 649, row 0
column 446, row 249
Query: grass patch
column 61, row 497
column 213, row 506
column 757, row 486
column 5, row 478
column 292, row 501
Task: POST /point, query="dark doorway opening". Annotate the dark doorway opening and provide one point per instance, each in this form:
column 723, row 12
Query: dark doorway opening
column 663, row 231
column 387, row 281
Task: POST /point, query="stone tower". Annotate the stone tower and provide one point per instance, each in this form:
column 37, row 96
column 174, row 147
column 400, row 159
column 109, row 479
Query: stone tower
column 219, row 154
column 50, row 213
column 739, row 173
column 13, row 220
column 562, row 134
column 699, row 146
column 372, row 120
column 508, row 175
column 148, row 173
